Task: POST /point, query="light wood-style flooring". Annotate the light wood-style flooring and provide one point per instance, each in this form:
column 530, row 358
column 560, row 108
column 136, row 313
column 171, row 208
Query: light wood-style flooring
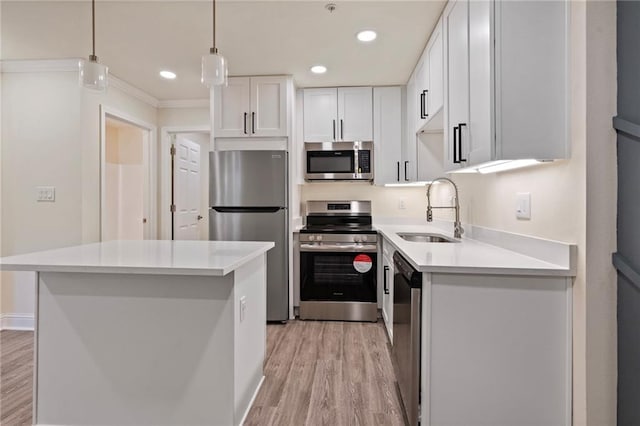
column 316, row 373
column 16, row 377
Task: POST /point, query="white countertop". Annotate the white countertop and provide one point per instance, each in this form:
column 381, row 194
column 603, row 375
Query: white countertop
column 468, row 255
column 215, row 258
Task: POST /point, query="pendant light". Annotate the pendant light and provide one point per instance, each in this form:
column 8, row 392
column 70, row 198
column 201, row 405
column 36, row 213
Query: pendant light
column 214, row 65
column 93, row 75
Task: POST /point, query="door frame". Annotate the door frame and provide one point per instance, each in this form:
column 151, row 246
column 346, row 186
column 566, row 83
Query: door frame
column 150, row 231
column 164, row 160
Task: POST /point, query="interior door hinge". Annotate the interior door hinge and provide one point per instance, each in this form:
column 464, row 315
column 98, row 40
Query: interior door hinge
column 173, row 208
column 173, row 150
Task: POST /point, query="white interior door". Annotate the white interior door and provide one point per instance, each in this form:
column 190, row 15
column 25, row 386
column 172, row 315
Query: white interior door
column 186, row 189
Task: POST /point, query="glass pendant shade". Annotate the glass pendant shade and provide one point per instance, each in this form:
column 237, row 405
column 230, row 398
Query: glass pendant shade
column 93, row 75
column 214, row 69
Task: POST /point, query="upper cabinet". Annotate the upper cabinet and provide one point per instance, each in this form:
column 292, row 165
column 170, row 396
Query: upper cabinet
column 338, row 114
column 252, row 106
column 427, row 94
column 387, row 134
column 506, row 81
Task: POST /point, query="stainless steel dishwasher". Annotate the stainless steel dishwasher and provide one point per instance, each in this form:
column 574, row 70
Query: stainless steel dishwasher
column 407, row 291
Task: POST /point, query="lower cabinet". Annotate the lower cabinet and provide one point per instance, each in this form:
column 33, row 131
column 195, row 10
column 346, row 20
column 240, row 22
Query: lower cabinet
column 387, row 293
column 496, row 349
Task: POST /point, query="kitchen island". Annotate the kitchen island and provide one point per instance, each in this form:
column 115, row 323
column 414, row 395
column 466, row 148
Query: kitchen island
column 148, row 332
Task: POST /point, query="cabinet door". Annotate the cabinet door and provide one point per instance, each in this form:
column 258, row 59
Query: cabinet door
column 355, row 114
column 457, row 85
column 268, row 106
column 408, row 165
column 231, row 108
column 480, row 140
column 421, row 92
column 387, row 134
column 434, row 98
column 320, row 115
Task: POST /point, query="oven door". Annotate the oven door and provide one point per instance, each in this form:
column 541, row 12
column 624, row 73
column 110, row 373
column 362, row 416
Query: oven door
column 338, row 276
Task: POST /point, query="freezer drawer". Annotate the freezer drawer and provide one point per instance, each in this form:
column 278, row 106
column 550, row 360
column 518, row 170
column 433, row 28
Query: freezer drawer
column 259, row 224
column 248, row 178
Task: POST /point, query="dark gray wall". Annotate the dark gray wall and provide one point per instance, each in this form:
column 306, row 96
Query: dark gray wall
column 629, row 213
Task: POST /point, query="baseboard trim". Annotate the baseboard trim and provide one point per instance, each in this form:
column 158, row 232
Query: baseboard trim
column 253, row 399
column 23, row 322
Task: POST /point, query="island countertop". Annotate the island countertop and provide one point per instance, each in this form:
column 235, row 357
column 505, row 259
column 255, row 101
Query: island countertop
column 162, row 257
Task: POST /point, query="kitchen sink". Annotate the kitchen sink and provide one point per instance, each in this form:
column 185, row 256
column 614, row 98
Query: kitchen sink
column 424, row 237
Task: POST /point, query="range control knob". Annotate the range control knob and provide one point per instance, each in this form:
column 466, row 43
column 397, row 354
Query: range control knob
column 356, row 239
column 364, row 238
column 319, row 237
column 312, row 237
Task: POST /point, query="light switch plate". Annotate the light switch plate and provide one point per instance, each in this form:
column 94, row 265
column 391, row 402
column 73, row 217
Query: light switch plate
column 523, row 205
column 402, row 204
column 46, row 193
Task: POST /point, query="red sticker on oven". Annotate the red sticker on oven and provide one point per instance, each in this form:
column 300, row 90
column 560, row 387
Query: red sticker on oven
column 362, row 263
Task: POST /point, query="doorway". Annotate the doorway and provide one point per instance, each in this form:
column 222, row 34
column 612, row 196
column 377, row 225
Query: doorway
column 126, row 212
column 189, row 186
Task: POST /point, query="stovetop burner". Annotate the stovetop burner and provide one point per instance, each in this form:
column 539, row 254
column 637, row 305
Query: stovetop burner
column 338, row 217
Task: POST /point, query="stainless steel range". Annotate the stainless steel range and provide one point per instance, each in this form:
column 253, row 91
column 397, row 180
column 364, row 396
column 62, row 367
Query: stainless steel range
column 335, row 262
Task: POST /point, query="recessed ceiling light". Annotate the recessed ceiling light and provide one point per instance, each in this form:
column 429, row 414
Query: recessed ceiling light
column 318, row 69
column 367, row 35
column 168, row 75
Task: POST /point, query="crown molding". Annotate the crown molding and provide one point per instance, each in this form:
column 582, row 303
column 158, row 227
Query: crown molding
column 71, row 65
column 184, row 103
column 133, row 91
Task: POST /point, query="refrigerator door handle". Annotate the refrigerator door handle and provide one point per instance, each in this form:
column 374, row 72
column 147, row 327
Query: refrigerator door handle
column 246, row 209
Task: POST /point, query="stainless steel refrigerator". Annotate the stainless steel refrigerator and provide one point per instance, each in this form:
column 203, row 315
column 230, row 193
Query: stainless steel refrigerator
column 248, row 202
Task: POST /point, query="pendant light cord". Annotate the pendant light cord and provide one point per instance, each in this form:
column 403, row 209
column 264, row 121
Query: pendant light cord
column 93, row 30
column 213, row 26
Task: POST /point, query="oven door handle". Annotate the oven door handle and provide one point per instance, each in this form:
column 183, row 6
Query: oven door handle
column 361, row 248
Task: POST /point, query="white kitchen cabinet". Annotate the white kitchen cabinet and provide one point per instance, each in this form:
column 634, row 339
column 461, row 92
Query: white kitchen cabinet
column 506, row 82
column 409, row 163
column 320, row 114
column 434, row 98
column 421, row 91
column 387, row 133
column 338, row 114
column 429, row 84
column 251, row 107
column 489, row 338
column 387, row 292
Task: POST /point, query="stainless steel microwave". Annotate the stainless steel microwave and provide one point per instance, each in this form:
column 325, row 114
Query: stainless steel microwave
column 339, row 160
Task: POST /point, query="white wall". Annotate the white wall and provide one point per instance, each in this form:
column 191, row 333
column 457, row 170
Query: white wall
column 183, row 117
column 384, row 200
column 51, row 137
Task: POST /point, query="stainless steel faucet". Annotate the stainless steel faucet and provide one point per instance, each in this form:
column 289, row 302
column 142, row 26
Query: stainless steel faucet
column 457, row 226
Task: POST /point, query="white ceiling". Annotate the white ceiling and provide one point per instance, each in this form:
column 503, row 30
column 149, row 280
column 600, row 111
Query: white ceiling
column 138, row 38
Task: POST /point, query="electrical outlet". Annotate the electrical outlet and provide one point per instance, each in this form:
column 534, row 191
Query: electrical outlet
column 402, row 204
column 243, row 308
column 523, row 205
column 46, row 193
